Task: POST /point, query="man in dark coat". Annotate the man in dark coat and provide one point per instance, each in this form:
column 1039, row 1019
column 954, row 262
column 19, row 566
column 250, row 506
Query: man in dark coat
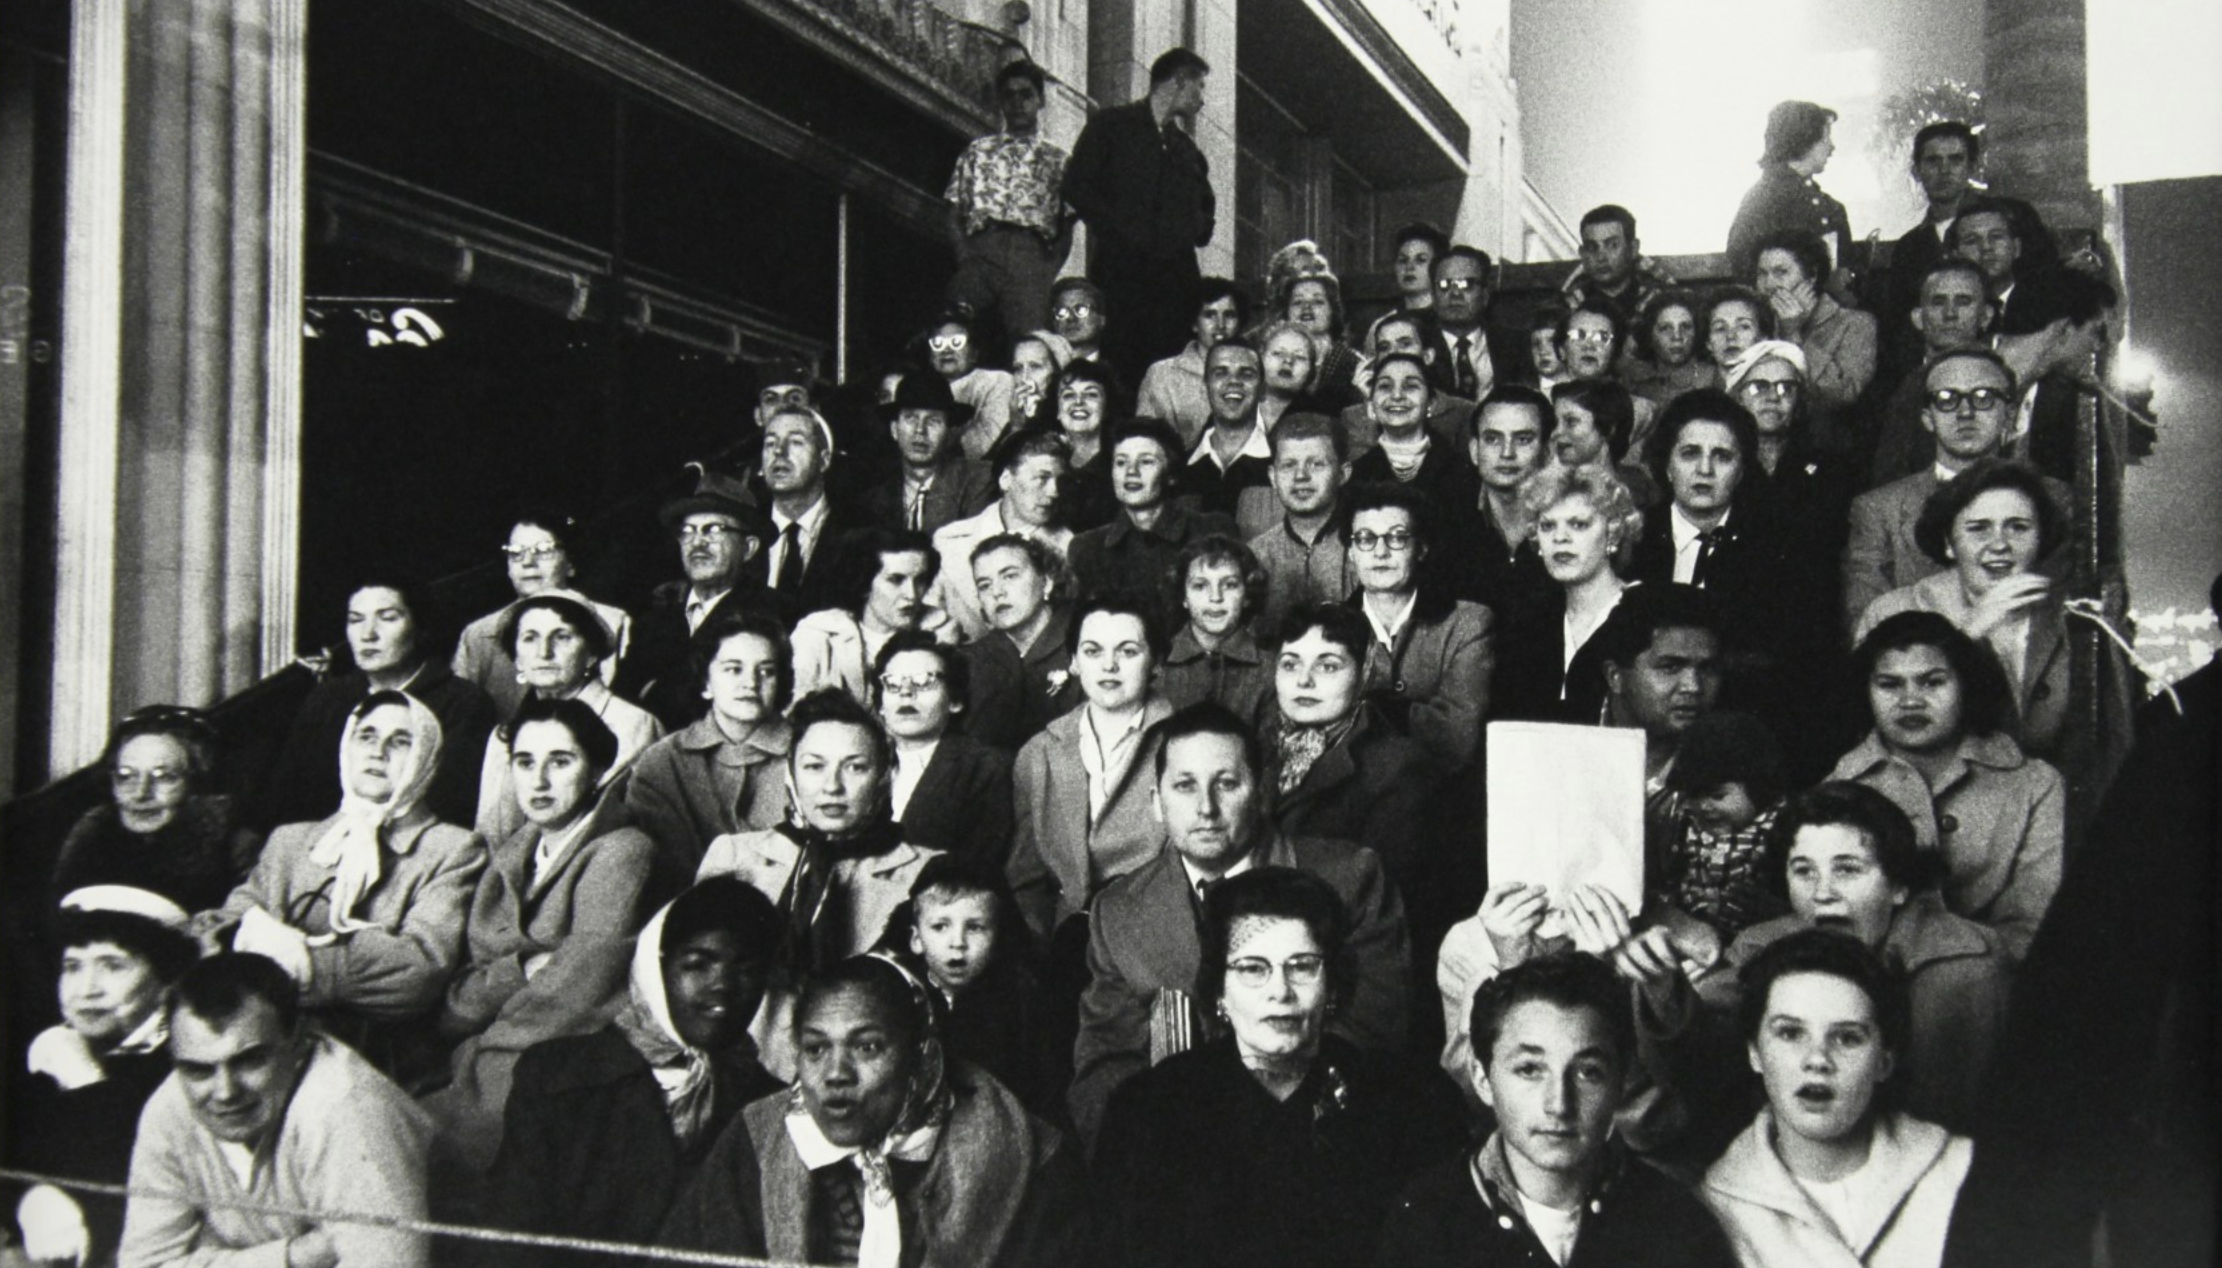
column 1144, row 189
column 937, row 484
column 719, row 530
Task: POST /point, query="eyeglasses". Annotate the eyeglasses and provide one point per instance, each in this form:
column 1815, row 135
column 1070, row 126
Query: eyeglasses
column 911, row 686
column 1070, row 312
column 1780, row 389
column 948, row 343
column 708, row 532
column 1589, row 336
column 1366, row 541
column 534, row 554
column 1256, row 973
column 1460, row 284
column 1947, row 400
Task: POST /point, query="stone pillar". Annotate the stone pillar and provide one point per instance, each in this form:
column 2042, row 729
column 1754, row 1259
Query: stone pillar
column 180, row 357
column 2037, row 144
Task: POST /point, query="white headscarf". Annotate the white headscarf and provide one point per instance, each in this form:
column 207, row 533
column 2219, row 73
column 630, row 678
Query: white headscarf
column 682, row 1070
column 1764, row 350
column 352, row 847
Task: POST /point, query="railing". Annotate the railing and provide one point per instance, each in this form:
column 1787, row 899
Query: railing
column 956, row 56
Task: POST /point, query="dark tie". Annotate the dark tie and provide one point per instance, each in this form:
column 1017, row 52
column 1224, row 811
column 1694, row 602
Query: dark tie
column 789, row 579
column 916, row 521
column 1707, row 541
column 1462, row 365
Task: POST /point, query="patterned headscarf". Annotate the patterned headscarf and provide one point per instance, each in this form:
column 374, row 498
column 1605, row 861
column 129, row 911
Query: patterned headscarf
column 682, row 1070
column 351, row 848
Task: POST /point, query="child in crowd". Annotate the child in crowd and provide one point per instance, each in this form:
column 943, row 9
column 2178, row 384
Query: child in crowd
column 1730, row 777
column 1554, row 1055
column 960, row 933
column 1217, row 587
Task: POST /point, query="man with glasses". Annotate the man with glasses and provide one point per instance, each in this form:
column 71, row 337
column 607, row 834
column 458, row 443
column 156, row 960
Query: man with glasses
column 1143, row 945
column 1472, row 355
column 1007, row 213
column 1969, row 409
column 1078, row 315
column 719, row 529
column 1953, row 311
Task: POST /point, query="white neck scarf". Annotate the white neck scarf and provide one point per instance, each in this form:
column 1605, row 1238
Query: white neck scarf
column 882, row 1243
column 351, row 848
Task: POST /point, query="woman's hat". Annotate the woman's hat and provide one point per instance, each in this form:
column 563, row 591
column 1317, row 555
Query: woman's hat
column 924, row 389
column 129, row 901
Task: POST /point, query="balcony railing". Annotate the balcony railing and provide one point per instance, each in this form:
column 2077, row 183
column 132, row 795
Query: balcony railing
column 951, row 57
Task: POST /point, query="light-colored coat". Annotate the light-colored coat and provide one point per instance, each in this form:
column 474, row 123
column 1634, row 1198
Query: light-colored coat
column 2041, row 693
column 635, row 728
column 869, row 888
column 1918, row 1168
column 1059, row 859
column 694, row 786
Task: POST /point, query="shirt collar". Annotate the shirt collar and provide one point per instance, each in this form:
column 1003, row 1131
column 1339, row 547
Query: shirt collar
column 1197, row 880
column 1255, row 446
column 806, row 523
column 1388, row 630
column 1684, row 531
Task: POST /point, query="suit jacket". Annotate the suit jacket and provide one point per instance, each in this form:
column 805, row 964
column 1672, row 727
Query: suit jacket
column 660, row 671
column 1753, row 575
column 1434, row 684
column 961, row 487
column 1059, row 860
column 1013, row 696
column 1880, row 555
column 824, row 570
column 1509, row 361
column 1370, row 787
column 1145, row 938
column 962, row 804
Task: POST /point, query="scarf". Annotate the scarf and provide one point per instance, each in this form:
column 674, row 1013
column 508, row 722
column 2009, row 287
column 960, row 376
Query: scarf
column 1301, row 747
column 351, row 849
column 682, row 1070
column 816, row 935
column 1765, row 350
column 913, row 1137
column 1405, row 456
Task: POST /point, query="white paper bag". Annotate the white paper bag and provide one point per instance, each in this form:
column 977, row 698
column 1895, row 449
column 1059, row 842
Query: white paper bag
column 1566, row 809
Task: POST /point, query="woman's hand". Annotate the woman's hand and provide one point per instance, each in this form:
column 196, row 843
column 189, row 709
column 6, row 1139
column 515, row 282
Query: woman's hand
column 2008, row 598
column 1510, row 914
column 1794, row 304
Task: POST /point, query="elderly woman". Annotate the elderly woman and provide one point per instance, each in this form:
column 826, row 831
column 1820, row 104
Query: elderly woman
column 1839, row 342
column 559, row 645
column 1216, row 584
column 551, row 926
column 78, row 1114
column 364, row 909
column 1940, row 749
column 1336, row 770
column 394, row 644
column 1735, row 318
column 1798, row 146
column 1037, row 357
column 539, row 555
column 950, row 792
column 603, row 1129
column 1989, row 526
column 1667, row 361
column 1274, row 1143
column 1313, row 304
column 1586, row 525
column 887, row 1151
column 1428, row 664
column 726, row 772
column 1089, row 403
column 164, row 828
column 1831, row 1172
column 1597, row 427
column 1847, row 860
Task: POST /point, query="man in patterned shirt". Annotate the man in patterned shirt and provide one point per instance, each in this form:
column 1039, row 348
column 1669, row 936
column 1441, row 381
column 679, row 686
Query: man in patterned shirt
column 1006, row 211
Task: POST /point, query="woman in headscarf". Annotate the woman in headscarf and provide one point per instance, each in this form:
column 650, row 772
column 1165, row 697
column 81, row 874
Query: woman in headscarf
column 602, row 1129
column 164, row 828
column 364, row 909
column 887, row 1152
column 552, row 922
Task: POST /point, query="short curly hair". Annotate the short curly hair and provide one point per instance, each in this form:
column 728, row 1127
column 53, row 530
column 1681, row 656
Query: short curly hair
column 1554, row 484
column 1932, row 529
column 1217, row 548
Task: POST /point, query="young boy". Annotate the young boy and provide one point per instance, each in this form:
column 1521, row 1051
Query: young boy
column 1729, row 774
column 1554, row 1050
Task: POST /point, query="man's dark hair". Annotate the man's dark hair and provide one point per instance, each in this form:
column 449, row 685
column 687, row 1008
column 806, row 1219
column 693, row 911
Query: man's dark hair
column 1520, row 394
column 1807, row 249
column 1174, row 63
column 1835, row 954
column 1943, row 128
column 1645, row 611
column 1985, row 355
column 218, row 988
column 1121, row 603
column 1986, row 699
column 956, row 668
column 1844, row 804
column 1610, row 406
column 725, row 903
column 1610, row 214
column 1021, row 68
column 1209, row 717
column 1274, row 893
column 1075, row 282
column 864, row 552
column 1981, row 205
column 712, row 636
column 1211, row 290
column 1308, row 426
column 1421, row 231
column 831, row 706
column 1464, row 251
column 1959, row 264
column 1158, row 432
column 1793, row 127
column 1932, row 528
column 1240, row 343
column 1567, row 979
column 1707, row 405
column 1034, row 442
column 595, row 739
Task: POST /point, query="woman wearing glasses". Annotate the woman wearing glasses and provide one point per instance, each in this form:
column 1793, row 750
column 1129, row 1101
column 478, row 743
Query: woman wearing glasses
column 952, row 348
column 165, row 828
column 1428, row 667
column 949, row 792
column 539, row 556
column 1839, row 342
column 1275, row 1143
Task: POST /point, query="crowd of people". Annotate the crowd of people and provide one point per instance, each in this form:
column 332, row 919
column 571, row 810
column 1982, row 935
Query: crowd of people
column 1072, row 847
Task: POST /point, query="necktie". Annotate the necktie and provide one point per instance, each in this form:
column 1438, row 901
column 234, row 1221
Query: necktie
column 1462, row 365
column 1706, row 541
column 789, row 579
column 915, row 519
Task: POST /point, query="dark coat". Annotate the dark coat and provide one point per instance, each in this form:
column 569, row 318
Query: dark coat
column 1121, row 557
column 962, row 805
column 825, row 573
column 1012, row 697
column 1371, row 787
column 194, row 861
column 1446, row 476
column 587, row 1148
column 1200, row 1165
column 1145, row 192
column 1782, row 199
column 302, row 785
column 1220, row 491
column 1638, row 1218
column 1509, row 361
column 85, row 1133
column 961, row 488
column 658, row 671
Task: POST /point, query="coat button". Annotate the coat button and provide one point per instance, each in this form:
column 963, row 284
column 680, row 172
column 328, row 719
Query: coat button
column 1504, row 1222
column 1397, row 686
column 1949, row 823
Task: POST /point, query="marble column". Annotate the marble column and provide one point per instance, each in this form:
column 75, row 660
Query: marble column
column 180, row 365
column 2037, row 104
